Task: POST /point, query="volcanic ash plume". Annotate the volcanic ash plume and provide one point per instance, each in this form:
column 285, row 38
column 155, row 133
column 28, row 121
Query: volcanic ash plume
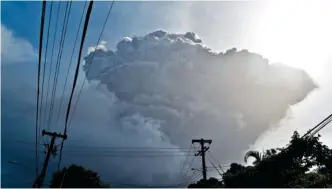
column 191, row 91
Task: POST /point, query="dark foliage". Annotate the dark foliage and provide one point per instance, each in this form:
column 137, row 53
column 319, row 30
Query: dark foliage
column 76, row 177
column 285, row 167
column 210, row 183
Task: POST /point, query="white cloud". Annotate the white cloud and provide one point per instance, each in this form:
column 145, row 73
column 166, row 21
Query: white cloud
column 14, row 49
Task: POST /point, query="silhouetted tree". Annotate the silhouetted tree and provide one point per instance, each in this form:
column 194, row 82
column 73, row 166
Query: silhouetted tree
column 76, row 177
column 285, row 167
column 209, row 183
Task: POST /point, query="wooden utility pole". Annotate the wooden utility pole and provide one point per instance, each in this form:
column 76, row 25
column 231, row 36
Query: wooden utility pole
column 40, row 179
column 202, row 152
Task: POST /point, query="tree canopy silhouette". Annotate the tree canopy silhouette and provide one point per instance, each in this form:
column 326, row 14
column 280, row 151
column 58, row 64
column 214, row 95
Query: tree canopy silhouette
column 76, row 177
column 209, row 183
column 290, row 166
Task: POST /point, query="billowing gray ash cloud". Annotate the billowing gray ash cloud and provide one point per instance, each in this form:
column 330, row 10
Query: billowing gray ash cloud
column 176, row 81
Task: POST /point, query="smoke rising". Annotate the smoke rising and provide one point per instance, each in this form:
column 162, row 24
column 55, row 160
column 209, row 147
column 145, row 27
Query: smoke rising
column 169, row 88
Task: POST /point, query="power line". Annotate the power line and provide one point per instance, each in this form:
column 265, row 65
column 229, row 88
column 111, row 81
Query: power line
column 124, row 152
column 144, row 152
column 214, row 166
column 57, row 67
column 50, row 69
column 38, row 78
column 194, row 178
column 85, row 155
column 319, row 124
column 137, row 151
column 127, row 153
column 191, row 163
column 186, row 180
column 133, row 150
column 98, row 41
column 127, row 147
column 212, row 159
column 117, row 148
column 87, row 18
column 322, row 125
column 184, row 163
column 56, row 123
column 42, row 93
column 161, row 151
column 70, row 61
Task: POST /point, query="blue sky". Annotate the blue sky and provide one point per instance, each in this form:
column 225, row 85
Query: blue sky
column 221, row 25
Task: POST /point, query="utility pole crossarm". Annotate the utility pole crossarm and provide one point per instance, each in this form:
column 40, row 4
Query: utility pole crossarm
column 199, row 140
column 54, row 134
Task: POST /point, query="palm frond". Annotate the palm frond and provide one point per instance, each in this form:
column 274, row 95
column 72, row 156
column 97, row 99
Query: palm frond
column 254, row 154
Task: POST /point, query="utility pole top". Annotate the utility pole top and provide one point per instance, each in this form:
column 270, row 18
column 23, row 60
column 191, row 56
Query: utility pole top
column 40, row 178
column 201, row 152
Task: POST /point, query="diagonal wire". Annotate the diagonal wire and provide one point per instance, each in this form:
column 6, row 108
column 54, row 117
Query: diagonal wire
column 191, row 163
column 38, row 78
column 50, row 69
column 56, row 124
column 195, row 179
column 56, row 75
column 98, row 41
column 42, row 93
column 71, row 58
column 192, row 179
column 327, row 121
column 213, row 160
column 214, row 166
column 76, row 73
column 319, row 124
column 184, row 163
column 86, row 23
column 186, row 181
column 193, row 175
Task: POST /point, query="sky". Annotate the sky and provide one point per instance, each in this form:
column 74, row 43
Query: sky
column 296, row 34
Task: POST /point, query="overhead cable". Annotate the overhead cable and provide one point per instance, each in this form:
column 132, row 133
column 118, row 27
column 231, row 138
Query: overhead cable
column 38, row 78
column 98, row 41
column 57, row 66
column 71, row 61
column 45, row 60
column 319, row 124
column 50, row 68
column 322, row 125
column 86, row 23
